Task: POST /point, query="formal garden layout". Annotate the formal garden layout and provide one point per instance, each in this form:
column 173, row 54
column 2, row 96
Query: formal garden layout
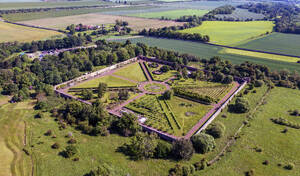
column 164, row 100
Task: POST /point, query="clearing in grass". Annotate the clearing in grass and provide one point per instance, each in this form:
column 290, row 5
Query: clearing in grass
column 132, row 71
column 261, row 55
column 110, row 80
column 232, row 33
column 11, row 33
column 171, row 14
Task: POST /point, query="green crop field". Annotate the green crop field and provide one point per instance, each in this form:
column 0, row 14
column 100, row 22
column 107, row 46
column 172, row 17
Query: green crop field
column 277, row 147
column 276, row 42
column 11, row 33
column 232, row 33
column 133, row 72
column 111, row 81
column 172, row 14
column 207, row 51
column 242, row 15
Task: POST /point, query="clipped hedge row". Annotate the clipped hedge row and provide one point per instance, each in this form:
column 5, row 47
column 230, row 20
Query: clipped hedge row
column 181, row 92
column 285, row 122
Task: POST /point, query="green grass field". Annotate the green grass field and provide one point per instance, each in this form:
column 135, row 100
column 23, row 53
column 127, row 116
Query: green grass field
column 132, row 71
column 276, row 42
column 207, row 51
column 172, row 14
column 232, row 33
column 111, row 81
column 277, row 147
column 11, row 33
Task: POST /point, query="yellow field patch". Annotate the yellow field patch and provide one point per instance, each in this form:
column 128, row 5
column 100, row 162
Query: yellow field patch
column 11, row 33
column 260, row 55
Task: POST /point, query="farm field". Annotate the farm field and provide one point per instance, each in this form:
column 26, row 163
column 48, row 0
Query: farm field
column 207, row 51
column 61, row 13
column 232, row 33
column 276, row 42
column 110, row 80
column 206, row 5
column 132, row 71
column 242, row 14
column 171, row 14
column 261, row 55
column 11, row 33
column 96, row 19
column 277, row 147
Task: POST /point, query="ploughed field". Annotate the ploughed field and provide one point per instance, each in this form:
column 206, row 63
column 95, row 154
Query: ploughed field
column 232, row 33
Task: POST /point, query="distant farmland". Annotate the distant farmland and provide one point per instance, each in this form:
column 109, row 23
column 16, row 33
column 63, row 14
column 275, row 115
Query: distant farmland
column 11, row 32
column 172, row 14
column 243, row 14
column 97, row 19
column 276, row 42
column 231, row 33
column 207, row 51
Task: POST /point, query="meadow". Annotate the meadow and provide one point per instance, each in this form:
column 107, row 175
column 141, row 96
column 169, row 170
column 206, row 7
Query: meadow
column 276, row 42
column 11, row 33
column 207, row 51
column 97, row 19
column 170, row 14
column 232, row 33
column 132, row 72
column 277, row 147
column 261, row 55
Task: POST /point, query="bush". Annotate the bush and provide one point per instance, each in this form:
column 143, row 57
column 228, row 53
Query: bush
column 289, row 166
column 167, row 95
column 55, row 145
column 39, row 115
column 295, row 113
column 102, row 170
column 163, row 149
column 250, row 173
column 72, row 141
column 203, row 143
column 241, row 106
column 201, row 165
column 183, row 149
column 258, row 83
column 164, row 68
column 128, row 125
column 266, row 162
column 70, row 151
column 217, row 129
column 87, row 94
column 48, row 133
column 182, row 170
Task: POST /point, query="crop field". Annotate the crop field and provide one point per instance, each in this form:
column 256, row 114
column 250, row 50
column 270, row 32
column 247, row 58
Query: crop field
column 207, row 51
column 207, row 5
column 276, row 42
column 172, row 14
column 11, row 33
column 61, row 13
column 232, row 33
column 261, row 55
column 97, row 19
column 132, row 71
column 110, row 80
column 243, row 14
column 277, row 147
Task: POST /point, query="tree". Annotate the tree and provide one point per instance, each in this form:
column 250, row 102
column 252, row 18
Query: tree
column 123, row 94
column 203, row 143
column 142, row 145
column 87, row 94
column 101, row 89
column 167, row 95
column 241, row 105
column 70, row 151
column 183, row 149
column 128, row 124
column 165, row 68
column 163, row 149
column 217, row 129
column 228, row 79
column 102, row 170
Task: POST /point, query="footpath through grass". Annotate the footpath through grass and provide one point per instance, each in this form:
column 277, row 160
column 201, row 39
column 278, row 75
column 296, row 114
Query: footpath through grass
column 231, row 33
column 278, row 148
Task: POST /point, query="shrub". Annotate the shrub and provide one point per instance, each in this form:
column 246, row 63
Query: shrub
column 295, row 113
column 128, row 125
column 76, row 159
column 70, row 151
column 266, row 162
column 102, row 170
column 72, row 141
column 48, row 133
column 163, row 149
column 55, row 145
column 289, row 166
column 241, row 105
column 250, row 173
column 123, row 94
column 203, row 143
column 258, row 83
column 87, row 94
column 182, row 170
column 164, row 68
column 183, row 149
column 39, row 115
column 167, row 95
column 201, row 165
column 217, row 129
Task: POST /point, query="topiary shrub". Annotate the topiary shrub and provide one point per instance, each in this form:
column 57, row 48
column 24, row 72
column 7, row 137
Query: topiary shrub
column 203, row 143
column 216, row 130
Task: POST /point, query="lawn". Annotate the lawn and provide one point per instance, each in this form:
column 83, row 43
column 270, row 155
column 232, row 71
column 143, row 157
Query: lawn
column 187, row 112
column 162, row 77
column 207, row 51
column 277, row 147
column 276, row 42
column 132, row 71
column 261, row 55
column 172, row 14
column 155, row 87
column 110, row 80
column 232, row 33
column 11, row 33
